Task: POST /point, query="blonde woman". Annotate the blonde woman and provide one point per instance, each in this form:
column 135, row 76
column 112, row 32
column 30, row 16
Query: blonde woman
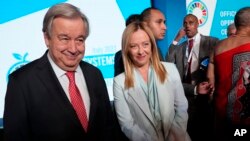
column 149, row 98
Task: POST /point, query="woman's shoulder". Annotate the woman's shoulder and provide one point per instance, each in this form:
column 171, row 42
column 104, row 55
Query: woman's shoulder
column 120, row 78
column 170, row 68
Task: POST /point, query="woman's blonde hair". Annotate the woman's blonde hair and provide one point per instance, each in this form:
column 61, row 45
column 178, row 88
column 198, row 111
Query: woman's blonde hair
column 128, row 64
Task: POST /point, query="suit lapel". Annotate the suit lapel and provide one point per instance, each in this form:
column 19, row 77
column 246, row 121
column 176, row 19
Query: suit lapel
column 92, row 95
column 202, row 50
column 165, row 101
column 184, row 59
column 137, row 95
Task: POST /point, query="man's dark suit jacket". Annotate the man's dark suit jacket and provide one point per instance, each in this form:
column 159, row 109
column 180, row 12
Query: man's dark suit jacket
column 199, row 109
column 118, row 66
column 37, row 108
column 176, row 54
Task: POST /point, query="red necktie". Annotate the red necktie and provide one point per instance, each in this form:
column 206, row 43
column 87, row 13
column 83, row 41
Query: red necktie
column 76, row 100
column 190, row 46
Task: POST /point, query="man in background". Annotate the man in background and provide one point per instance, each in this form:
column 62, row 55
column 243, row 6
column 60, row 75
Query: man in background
column 191, row 59
column 156, row 21
column 231, row 30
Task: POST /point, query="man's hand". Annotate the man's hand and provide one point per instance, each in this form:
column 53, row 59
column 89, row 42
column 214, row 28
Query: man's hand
column 204, row 88
column 180, row 35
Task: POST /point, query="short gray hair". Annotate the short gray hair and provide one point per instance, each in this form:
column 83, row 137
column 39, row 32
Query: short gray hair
column 65, row 10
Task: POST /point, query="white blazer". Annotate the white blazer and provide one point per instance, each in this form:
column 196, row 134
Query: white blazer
column 134, row 115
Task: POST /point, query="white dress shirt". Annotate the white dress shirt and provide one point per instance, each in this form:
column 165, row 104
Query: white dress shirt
column 194, row 53
column 79, row 79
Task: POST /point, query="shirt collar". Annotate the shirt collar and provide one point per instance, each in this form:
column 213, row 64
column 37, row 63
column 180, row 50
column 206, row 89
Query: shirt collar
column 196, row 37
column 58, row 71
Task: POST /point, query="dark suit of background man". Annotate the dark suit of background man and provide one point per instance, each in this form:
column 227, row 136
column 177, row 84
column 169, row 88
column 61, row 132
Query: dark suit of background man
column 38, row 105
column 192, row 66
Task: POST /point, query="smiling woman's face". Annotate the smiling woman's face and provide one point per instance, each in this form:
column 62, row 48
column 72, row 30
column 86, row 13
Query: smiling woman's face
column 140, row 48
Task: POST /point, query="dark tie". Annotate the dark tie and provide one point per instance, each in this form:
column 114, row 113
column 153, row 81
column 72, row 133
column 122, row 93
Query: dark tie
column 190, row 46
column 76, row 100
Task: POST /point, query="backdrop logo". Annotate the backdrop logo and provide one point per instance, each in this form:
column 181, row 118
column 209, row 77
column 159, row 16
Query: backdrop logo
column 21, row 61
column 199, row 9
